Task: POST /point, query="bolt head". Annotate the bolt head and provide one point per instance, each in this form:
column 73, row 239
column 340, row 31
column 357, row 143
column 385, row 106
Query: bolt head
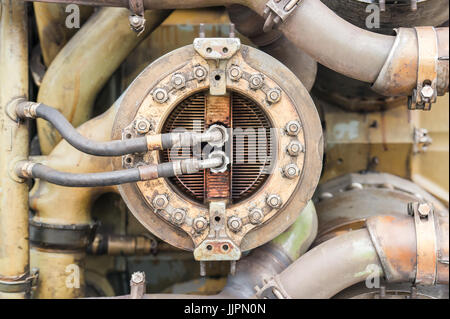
column 274, row 201
column 160, row 95
column 178, row 81
column 256, row 216
column 200, row 72
column 291, row 171
column 160, row 201
column 142, row 126
column 273, row 95
column 256, row 81
column 235, row 73
column 427, row 92
column 235, row 223
column 424, row 209
column 293, row 128
column 200, row 224
column 294, row 148
column 178, row 216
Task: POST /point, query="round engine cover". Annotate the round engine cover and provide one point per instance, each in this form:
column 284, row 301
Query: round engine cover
column 275, row 147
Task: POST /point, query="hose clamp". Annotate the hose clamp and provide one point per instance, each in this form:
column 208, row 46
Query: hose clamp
column 271, row 289
column 137, row 20
column 277, row 11
column 426, row 238
column 425, row 93
column 19, row 284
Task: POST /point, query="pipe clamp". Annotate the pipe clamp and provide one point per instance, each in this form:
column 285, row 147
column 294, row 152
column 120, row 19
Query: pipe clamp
column 277, row 11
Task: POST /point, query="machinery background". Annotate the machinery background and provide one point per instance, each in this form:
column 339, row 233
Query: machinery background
column 378, row 156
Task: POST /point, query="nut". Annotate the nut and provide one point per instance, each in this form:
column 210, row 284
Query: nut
column 292, row 128
column 294, row 148
column 274, row 201
column 256, row 216
column 273, row 95
column 291, row 171
column 138, row 277
column 178, row 216
column 424, row 210
column 142, row 126
column 200, row 224
column 235, row 223
column 427, row 92
column 178, row 81
column 160, row 95
column 256, row 81
column 160, row 201
column 235, row 73
column 200, row 72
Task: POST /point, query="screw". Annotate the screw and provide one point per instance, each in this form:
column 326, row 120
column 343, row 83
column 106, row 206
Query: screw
column 291, row 171
column 273, row 95
column 235, row 223
column 274, row 201
column 292, row 128
column 256, row 81
column 138, row 277
column 235, row 73
column 142, row 126
column 160, row 95
column 200, row 224
column 178, row 216
column 160, row 201
column 424, row 210
column 427, row 92
column 294, row 148
column 256, row 216
column 200, row 73
column 178, row 81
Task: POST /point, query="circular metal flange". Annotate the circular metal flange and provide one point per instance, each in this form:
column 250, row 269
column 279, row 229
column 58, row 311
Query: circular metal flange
column 295, row 104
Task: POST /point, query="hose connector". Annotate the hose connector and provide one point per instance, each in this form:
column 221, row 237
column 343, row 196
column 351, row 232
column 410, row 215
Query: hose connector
column 27, row 110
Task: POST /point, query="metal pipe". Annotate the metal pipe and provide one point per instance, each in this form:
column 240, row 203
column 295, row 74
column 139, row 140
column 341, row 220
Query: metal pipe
column 14, row 252
column 83, row 66
column 315, row 29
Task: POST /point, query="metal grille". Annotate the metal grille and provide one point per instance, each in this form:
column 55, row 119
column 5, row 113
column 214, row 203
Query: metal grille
column 248, row 121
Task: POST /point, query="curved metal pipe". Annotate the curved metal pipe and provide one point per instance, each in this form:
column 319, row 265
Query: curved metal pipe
column 83, row 66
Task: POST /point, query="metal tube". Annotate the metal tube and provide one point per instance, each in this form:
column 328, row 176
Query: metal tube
column 83, row 66
column 14, row 252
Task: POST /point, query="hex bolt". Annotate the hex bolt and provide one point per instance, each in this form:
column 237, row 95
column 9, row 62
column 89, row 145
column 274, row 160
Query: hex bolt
column 200, row 72
column 293, row 128
column 178, row 81
column 160, row 95
column 273, row 96
column 274, row 201
column 178, row 216
column 235, row 223
column 256, row 216
column 424, row 210
column 160, row 201
column 427, row 92
column 138, row 277
column 294, row 148
column 235, row 73
column 256, row 81
column 291, row 171
column 142, row 126
column 200, row 224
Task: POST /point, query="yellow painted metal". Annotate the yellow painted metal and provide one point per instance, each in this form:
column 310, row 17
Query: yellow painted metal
column 64, row 205
column 14, row 257
column 430, row 169
column 84, row 65
column 61, row 273
column 53, row 34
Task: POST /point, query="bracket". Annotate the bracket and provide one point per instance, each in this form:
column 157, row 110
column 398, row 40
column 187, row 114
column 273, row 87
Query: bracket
column 278, row 11
column 137, row 20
